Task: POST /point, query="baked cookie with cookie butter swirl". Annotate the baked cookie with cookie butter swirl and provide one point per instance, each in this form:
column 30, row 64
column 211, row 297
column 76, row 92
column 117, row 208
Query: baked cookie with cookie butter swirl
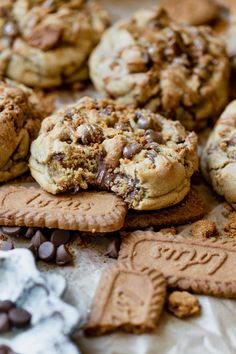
column 144, row 158
column 218, row 159
column 174, row 69
column 46, row 43
column 21, row 113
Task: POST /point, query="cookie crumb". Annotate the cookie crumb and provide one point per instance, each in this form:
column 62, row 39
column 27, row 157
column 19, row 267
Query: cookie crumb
column 230, row 226
column 204, row 229
column 183, row 304
column 169, row 230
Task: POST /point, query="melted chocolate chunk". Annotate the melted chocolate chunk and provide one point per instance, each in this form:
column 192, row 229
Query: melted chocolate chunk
column 131, row 149
column 92, row 133
column 153, row 137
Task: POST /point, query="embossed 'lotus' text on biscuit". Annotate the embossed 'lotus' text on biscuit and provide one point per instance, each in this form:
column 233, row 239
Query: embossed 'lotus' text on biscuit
column 203, row 266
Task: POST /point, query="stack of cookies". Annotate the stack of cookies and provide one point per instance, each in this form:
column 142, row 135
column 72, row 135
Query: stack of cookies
column 123, row 165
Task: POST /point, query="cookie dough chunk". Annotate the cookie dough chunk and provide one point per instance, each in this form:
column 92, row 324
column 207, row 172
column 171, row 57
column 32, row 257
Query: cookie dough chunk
column 204, row 229
column 183, row 304
column 141, row 156
column 191, row 12
column 219, row 156
column 20, row 119
column 47, row 43
column 152, row 62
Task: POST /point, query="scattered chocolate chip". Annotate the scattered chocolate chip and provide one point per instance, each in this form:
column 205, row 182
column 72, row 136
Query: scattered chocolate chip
column 131, row 149
column 63, row 256
column 6, row 246
column 38, row 239
column 47, row 251
column 12, row 230
column 197, row 178
column 113, row 248
column 19, row 317
column 152, row 136
column 30, row 232
column 60, row 237
column 4, row 322
column 6, row 305
column 4, row 349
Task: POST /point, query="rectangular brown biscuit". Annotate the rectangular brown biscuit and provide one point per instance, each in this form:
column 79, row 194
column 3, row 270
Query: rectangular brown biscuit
column 127, row 298
column 189, row 210
column 28, row 205
column 201, row 266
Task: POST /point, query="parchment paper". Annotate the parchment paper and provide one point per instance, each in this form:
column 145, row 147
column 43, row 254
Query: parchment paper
column 213, row 332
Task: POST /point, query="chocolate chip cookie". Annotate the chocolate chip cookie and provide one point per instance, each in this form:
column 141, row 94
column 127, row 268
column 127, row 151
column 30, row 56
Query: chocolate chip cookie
column 46, row 43
column 219, row 156
column 141, row 156
column 21, row 113
column 191, row 12
column 176, row 70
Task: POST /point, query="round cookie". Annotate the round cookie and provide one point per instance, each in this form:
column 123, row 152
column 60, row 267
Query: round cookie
column 144, row 158
column 46, row 43
column 20, row 118
column 218, row 159
column 148, row 60
column 191, row 12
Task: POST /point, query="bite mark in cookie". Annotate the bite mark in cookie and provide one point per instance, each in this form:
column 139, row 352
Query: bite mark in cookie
column 127, row 298
column 99, row 143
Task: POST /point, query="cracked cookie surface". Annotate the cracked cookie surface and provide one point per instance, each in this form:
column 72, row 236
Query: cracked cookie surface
column 141, row 156
column 46, row 43
column 218, row 160
column 20, row 119
column 176, row 70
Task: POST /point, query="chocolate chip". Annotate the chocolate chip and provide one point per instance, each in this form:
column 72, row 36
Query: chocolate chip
column 63, row 256
column 30, row 232
column 143, row 123
column 4, row 322
column 113, row 248
column 12, row 230
column 131, row 149
column 47, row 251
column 4, row 349
column 122, row 126
column 232, row 141
column 92, row 133
column 59, row 157
column 6, row 305
column 59, row 237
column 19, row 317
column 151, row 155
column 10, row 29
column 38, row 239
column 152, row 136
column 6, row 246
